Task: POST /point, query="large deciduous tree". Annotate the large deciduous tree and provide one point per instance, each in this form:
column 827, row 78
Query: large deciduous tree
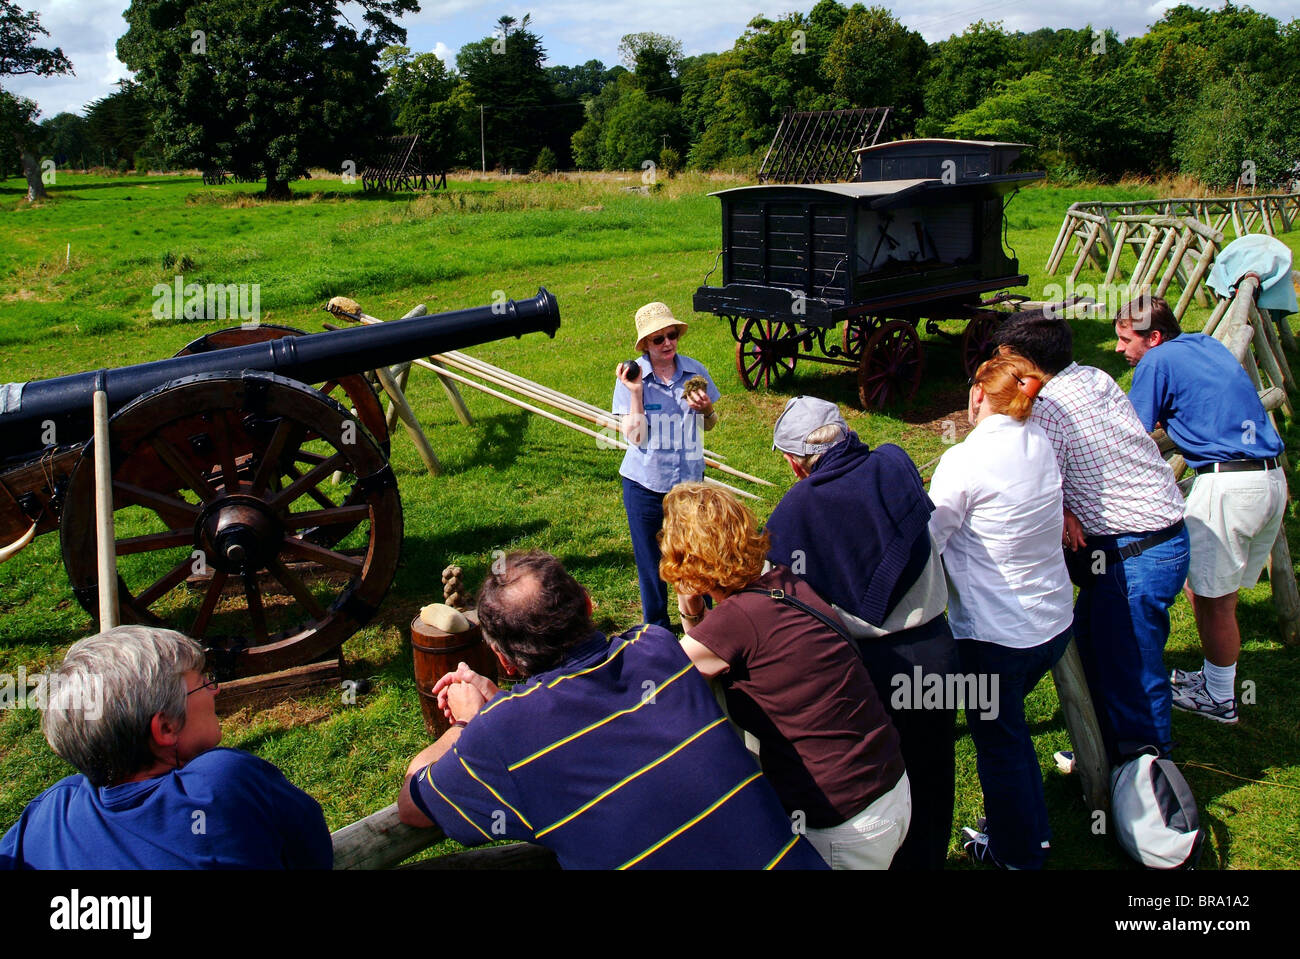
column 260, row 89
column 19, row 55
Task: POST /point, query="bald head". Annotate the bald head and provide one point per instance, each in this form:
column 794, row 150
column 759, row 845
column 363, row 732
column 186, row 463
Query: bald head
column 533, row 611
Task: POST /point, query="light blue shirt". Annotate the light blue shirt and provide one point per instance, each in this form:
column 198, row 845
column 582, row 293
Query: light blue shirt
column 672, row 450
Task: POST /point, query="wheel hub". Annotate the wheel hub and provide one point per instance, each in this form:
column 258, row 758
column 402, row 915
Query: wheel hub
column 238, row 534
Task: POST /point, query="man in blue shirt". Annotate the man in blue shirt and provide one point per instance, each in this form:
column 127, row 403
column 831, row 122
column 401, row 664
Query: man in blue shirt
column 612, row 752
column 132, row 710
column 1191, row 384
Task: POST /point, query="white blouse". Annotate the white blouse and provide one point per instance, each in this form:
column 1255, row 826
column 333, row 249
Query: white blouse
column 998, row 523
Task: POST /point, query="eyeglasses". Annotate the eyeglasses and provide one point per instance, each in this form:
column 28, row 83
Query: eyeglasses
column 671, row 336
column 209, row 680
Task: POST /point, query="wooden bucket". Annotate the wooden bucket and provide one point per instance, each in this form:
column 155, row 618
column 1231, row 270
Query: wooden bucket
column 436, row 653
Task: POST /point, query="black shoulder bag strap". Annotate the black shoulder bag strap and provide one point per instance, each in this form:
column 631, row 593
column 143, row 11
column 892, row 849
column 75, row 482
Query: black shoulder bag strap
column 781, row 596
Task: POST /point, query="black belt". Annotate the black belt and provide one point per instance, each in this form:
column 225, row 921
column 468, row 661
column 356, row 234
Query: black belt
column 1141, row 546
column 1239, row 466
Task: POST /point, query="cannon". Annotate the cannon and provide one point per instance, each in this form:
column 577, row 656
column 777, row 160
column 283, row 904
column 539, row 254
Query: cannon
column 918, row 236
column 250, row 509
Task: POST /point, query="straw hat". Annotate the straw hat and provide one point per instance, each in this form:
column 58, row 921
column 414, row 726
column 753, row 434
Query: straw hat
column 652, row 318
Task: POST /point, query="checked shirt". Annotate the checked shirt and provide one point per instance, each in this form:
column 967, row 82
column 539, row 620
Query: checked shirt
column 1112, row 476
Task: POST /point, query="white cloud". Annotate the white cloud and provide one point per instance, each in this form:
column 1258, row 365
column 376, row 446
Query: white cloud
column 445, row 53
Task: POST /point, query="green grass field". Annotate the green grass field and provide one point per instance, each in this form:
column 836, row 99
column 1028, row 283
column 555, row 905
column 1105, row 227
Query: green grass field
column 76, row 279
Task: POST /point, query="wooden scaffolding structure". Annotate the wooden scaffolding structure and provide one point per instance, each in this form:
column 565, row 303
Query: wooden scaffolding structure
column 817, row 146
column 400, row 166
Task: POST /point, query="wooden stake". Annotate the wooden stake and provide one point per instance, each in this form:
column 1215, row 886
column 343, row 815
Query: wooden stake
column 413, row 428
column 109, row 614
column 1090, row 762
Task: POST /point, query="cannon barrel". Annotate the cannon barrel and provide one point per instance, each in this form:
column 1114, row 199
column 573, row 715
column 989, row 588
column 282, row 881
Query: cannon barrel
column 65, row 402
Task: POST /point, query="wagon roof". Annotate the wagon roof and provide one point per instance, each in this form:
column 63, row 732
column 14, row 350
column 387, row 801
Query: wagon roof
column 884, row 147
column 875, row 188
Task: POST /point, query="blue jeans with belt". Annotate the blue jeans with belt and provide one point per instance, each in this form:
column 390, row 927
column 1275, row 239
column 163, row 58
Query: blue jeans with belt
column 1004, row 751
column 1121, row 624
column 645, row 518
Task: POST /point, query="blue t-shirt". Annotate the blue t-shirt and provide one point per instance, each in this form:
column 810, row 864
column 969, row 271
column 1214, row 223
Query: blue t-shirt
column 673, row 447
column 1194, row 386
column 618, row 758
column 225, row 809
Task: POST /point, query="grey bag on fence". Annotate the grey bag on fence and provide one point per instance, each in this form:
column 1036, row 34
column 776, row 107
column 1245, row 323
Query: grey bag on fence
column 1154, row 813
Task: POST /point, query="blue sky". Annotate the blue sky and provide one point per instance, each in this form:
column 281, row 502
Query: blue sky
column 574, row 31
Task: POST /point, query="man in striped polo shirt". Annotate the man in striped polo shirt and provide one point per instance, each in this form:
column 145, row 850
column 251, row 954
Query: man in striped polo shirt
column 612, row 752
column 1124, row 532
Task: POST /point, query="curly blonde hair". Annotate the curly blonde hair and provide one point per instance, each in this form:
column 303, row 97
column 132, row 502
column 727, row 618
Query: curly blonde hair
column 709, row 541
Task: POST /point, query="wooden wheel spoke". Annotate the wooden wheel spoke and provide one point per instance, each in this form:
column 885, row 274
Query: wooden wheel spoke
column 153, row 541
column 169, row 455
column 313, row 491
column 304, row 549
column 296, row 587
column 303, row 456
column 329, row 386
column 210, row 600
column 256, row 613
column 330, row 516
column 267, row 469
column 225, row 453
column 167, row 507
column 303, row 483
column 170, row 580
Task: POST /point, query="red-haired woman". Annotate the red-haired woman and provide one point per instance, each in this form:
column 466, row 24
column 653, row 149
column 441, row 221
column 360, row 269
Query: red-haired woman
column 791, row 679
column 998, row 523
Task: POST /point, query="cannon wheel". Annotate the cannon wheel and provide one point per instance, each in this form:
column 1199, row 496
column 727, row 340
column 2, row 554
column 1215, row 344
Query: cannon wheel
column 360, row 394
column 890, row 368
column 977, row 341
column 217, row 481
column 766, row 350
column 857, row 330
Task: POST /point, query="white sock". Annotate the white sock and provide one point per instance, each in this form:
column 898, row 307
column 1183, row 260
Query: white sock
column 1220, row 681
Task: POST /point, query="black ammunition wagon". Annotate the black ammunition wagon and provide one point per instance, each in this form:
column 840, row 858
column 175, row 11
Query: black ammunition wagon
column 918, row 236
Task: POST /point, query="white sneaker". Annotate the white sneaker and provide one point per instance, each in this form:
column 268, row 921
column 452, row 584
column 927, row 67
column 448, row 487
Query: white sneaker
column 1197, row 699
column 1186, row 677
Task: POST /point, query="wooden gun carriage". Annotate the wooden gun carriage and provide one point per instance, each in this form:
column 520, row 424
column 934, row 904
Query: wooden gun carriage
column 918, row 236
column 250, row 510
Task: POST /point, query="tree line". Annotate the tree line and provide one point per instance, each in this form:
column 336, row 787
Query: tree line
column 1208, row 93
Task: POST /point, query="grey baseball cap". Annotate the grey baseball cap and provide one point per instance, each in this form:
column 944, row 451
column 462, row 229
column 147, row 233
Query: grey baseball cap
column 801, row 416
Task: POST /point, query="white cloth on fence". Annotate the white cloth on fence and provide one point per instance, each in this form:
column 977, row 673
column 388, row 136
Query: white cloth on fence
column 1264, row 255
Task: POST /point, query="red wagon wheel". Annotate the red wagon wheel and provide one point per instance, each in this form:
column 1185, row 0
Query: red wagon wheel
column 857, row 331
column 220, row 482
column 766, row 350
column 977, row 342
column 890, row 368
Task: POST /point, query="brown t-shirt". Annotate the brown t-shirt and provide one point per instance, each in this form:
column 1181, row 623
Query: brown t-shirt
column 827, row 744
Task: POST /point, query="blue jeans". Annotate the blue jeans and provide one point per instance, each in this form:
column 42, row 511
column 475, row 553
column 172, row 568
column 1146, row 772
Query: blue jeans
column 645, row 517
column 1004, row 751
column 1121, row 624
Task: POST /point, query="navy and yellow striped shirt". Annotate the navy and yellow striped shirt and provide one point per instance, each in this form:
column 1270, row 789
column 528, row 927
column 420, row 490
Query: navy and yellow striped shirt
column 618, row 758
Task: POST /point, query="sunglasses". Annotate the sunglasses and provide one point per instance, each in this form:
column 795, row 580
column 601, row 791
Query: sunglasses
column 209, row 680
column 670, row 336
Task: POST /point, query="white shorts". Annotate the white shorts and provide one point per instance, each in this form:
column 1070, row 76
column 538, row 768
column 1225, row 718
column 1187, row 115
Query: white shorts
column 870, row 839
column 1232, row 523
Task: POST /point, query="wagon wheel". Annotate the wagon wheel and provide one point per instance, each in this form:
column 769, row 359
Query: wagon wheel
column 857, row 330
column 890, row 368
column 216, row 481
column 977, row 342
column 766, row 350
column 355, row 391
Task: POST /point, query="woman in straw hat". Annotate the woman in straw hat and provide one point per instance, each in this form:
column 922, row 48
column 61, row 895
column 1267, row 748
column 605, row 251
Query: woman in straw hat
column 662, row 406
